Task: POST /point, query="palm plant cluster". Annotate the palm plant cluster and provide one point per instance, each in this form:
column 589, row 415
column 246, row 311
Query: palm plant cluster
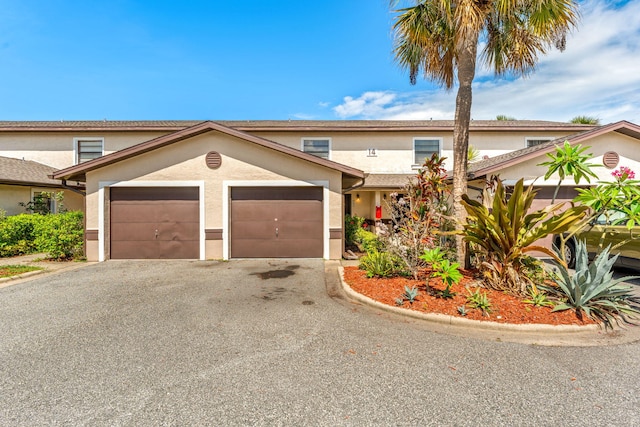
column 503, row 231
column 439, row 39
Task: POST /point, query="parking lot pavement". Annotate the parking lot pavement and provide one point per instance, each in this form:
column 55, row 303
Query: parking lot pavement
column 267, row 342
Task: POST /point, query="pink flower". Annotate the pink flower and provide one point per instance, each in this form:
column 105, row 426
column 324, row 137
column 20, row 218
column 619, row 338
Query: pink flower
column 623, row 173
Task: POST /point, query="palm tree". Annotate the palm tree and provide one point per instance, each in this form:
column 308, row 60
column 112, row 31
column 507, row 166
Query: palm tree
column 440, row 38
column 585, row 120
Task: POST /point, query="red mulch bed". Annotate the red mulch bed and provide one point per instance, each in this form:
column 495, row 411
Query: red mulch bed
column 504, row 308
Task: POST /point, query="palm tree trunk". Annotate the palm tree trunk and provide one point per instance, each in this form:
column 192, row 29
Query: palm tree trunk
column 466, row 73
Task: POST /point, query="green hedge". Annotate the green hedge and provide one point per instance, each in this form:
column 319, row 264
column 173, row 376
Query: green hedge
column 60, row 236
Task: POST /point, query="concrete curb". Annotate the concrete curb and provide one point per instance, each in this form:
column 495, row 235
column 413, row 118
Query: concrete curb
column 23, row 275
column 461, row 322
column 21, row 278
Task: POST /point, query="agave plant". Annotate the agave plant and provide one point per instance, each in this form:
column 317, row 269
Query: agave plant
column 593, row 291
column 507, row 231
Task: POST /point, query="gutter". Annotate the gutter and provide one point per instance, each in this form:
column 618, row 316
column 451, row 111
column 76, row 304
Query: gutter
column 353, row 187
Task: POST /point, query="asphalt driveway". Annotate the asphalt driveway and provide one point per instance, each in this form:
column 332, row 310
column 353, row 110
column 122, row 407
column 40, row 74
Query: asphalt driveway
column 273, row 343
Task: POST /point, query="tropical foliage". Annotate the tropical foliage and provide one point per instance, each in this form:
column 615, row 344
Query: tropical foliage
column 508, row 231
column 592, row 291
column 567, row 161
column 585, row 120
column 440, row 38
column 419, row 216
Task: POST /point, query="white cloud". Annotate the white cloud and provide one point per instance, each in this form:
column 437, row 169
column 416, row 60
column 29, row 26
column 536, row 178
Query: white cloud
column 597, row 75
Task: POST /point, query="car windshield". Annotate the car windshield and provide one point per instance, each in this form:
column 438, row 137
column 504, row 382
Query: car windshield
column 612, row 218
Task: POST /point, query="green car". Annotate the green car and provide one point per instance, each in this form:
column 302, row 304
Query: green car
column 615, row 231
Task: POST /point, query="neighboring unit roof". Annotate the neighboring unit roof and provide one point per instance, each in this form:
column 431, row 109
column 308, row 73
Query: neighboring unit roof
column 289, row 125
column 78, row 172
column 379, row 180
column 493, row 164
column 26, row 172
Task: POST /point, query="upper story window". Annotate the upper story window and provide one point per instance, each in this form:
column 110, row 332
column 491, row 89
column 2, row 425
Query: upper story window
column 88, row 148
column 536, row 140
column 320, row 147
column 423, row 148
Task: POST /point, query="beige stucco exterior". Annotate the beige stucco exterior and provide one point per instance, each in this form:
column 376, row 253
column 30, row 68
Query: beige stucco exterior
column 625, row 146
column 183, row 164
column 13, row 195
column 394, row 150
column 57, row 149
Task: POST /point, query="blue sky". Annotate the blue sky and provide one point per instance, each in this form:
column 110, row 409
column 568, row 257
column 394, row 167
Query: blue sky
column 261, row 59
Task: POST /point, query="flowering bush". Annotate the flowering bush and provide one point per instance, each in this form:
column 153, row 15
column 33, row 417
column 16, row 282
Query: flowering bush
column 623, row 174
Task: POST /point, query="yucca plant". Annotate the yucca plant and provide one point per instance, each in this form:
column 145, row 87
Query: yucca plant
column 592, row 290
column 506, row 232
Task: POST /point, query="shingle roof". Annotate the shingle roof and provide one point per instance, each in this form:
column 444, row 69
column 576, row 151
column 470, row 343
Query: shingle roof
column 18, row 171
column 379, row 180
column 287, row 125
column 493, row 164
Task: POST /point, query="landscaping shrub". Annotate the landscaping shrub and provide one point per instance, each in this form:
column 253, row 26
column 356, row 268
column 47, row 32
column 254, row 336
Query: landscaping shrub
column 17, row 234
column 351, row 226
column 60, row 235
column 368, row 241
column 379, row 264
column 593, row 291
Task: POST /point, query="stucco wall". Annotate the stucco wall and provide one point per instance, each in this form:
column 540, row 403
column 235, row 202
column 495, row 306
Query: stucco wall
column 394, row 150
column 241, row 162
column 57, row 148
column 12, row 195
column 626, row 147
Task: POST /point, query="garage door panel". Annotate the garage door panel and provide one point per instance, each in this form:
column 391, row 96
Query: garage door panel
column 300, row 230
column 254, row 248
column 178, row 231
column 300, row 248
column 185, row 211
column 303, row 210
column 244, row 210
column 173, row 249
column 132, row 250
column 254, row 229
column 132, row 231
column 299, row 225
column 132, row 213
column 154, row 222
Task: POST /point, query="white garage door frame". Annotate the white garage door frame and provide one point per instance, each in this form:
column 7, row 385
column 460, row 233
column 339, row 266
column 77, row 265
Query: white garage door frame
column 101, row 205
column 226, row 208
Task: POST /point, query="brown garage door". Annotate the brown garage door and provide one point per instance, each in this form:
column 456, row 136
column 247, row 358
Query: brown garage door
column 276, row 222
column 155, row 223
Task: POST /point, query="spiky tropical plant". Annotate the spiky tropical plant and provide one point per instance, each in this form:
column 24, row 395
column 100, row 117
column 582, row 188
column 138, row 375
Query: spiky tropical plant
column 505, row 233
column 440, row 38
column 592, row 290
column 568, row 160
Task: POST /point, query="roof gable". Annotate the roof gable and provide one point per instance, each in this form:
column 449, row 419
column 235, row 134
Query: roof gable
column 79, row 171
column 497, row 163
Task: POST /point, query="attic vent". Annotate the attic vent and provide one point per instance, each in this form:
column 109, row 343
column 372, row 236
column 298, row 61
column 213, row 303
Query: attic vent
column 610, row 159
column 213, row 159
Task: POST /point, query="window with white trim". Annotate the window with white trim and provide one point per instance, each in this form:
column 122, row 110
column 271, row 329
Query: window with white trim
column 423, row 148
column 536, row 140
column 320, row 147
column 88, row 149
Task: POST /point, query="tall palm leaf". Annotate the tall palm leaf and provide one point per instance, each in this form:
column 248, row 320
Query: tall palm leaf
column 439, row 39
